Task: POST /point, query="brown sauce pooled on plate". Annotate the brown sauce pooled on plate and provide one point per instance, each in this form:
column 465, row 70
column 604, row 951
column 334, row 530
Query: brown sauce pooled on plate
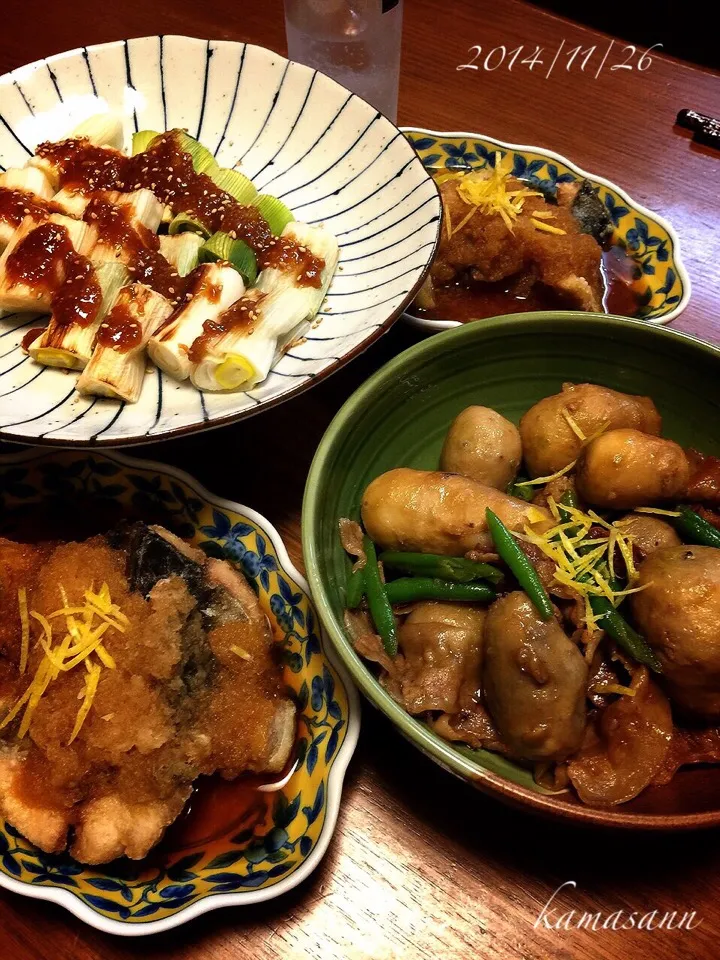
column 624, row 292
column 477, row 300
column 15, row 205
column 241, row 315
column 46, row 258
column 120, row 330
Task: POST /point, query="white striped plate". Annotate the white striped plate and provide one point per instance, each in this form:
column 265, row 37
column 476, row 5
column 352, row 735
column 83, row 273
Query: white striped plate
column 299, row 135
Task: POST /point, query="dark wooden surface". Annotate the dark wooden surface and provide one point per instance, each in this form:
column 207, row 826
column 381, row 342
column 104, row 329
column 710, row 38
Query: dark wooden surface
column 421, row 865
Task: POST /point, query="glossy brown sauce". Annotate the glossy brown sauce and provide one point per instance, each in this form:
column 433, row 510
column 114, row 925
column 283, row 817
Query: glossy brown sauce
column 46, row 259
column 194, row 284
column 218, row 807
column 287, row 255
column 137, row 246
column 120, row 330
column 31, row 336
column 624, row 292
column 84, row 167
column 477, row 300
column 241, row 315
column 15, row 205
column 169, row 173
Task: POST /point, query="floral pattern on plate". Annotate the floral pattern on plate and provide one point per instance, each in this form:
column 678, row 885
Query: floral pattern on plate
column 280, row 837
column 649, row 239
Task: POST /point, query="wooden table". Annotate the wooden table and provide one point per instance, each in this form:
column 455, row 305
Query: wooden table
column 421, row 865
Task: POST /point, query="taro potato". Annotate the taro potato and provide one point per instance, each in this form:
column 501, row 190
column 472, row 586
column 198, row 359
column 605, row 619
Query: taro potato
column 534, row 681
column 625, row 468
column 678, row 613
column 549, row 442
column 483, row 445
column 432, row 512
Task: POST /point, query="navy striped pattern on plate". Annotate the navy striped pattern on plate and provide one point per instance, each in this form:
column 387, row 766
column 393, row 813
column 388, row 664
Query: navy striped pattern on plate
column 331, row 157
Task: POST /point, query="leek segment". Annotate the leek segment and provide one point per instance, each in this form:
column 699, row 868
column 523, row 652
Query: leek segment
column 215, row 287
column 142, row 140
column 34, row 297
column 278, row 216
column 30, row 179
column 240, row 187
column 244, row 357
column 184, row 222
column 119, row 374
column 26, row 180
column 221, row 246
column 234, row 371
column 70, row 346
column 202, row 160
column 181, row 251
column 102, row 130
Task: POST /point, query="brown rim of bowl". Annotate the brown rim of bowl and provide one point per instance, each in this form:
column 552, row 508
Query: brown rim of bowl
column 264, row 405
column 547, row 805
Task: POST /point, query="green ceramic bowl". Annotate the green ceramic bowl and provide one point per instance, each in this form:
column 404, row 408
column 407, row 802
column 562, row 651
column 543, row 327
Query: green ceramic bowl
column 399, row 418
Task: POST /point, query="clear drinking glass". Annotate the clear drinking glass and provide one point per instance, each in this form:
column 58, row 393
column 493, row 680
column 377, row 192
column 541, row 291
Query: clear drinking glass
column 356, row 42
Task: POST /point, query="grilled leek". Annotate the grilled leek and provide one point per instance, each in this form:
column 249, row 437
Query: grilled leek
column 101, row 129
column 117, row 366
column 29, row 179
column 182, row 251
column 70, row 346
column 36, row 295
column 24, row 182
column 214, row 287
column 143, row 206
column 244, row 357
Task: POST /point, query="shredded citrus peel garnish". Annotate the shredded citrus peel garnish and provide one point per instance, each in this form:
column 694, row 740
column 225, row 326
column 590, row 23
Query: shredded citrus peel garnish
column 547, row 227
column 25, row 626
column 539, row 481
column 82, row 640
column 584, row 563
column 573, row 424
column 487, row 190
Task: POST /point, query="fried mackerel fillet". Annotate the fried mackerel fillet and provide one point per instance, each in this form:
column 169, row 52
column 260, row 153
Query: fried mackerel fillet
column 145, row 665
column 566, row 261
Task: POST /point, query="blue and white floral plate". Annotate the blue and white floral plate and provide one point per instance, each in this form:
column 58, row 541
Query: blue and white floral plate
column 647, row 237
column 276, row 841
column 330, row 156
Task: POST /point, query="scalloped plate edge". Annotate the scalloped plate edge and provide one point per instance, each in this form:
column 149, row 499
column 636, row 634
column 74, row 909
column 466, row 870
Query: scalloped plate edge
column 65, row 898
column 681, row 270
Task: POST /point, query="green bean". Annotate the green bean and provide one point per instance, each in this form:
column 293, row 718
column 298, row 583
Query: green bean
column 410, row 589
column 568, row 499
column 432, row 565
column 521, row 567
column 694, row 529
column 378, row 602
column 355, row 590
column 520, row 490
column 609, row 618
column 615, row 625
